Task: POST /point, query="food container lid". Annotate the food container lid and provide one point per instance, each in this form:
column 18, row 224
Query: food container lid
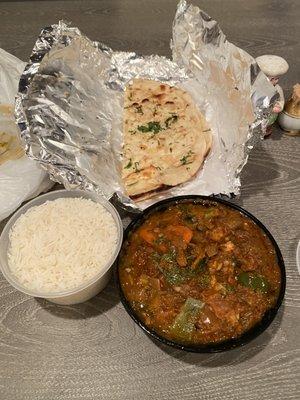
column 272, row 65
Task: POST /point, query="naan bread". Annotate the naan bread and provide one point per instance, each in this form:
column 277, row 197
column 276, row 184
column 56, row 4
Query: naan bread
column 166, row 137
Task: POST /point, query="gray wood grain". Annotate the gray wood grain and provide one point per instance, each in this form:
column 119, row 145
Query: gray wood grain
column 94, row 350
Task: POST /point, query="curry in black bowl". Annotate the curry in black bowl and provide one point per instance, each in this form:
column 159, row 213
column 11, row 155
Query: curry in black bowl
column 198, row 272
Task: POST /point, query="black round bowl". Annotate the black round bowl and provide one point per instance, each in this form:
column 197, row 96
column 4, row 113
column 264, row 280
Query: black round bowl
column 246, row 337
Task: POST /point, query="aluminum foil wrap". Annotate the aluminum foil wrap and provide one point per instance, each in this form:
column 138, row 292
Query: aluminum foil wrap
column 70, row 104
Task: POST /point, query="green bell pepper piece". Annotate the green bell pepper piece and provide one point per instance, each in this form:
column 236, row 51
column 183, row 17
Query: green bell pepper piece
column 184, row 323
column 253, row 281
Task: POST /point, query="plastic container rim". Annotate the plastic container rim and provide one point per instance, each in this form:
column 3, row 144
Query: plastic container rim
column 92, row 196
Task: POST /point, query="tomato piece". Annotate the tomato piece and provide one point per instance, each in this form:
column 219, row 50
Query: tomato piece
column 183, row 232
column 147, row 235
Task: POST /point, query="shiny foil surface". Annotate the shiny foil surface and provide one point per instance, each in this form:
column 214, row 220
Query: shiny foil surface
column 70, row 104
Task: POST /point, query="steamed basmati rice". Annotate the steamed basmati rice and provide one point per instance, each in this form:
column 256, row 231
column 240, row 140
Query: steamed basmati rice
column 61, row 244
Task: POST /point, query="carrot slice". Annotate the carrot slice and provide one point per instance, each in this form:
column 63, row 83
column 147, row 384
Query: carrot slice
column 147, row 235
column 183, row 231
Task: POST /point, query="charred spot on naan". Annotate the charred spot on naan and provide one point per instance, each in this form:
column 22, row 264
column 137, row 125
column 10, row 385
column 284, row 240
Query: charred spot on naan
column 150, row 193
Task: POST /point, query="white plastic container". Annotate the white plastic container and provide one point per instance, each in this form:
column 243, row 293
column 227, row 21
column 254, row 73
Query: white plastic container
column 83, row 292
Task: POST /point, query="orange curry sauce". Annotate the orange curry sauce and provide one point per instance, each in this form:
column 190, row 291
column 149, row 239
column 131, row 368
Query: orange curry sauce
column 199, row 273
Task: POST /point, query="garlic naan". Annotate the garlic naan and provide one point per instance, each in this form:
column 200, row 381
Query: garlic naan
column 166, row 138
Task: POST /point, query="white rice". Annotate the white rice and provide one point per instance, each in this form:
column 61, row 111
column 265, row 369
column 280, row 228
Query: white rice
column 61, row 244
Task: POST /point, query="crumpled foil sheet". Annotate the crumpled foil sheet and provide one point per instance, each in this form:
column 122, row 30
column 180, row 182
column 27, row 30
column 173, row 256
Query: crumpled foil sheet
column 70, row 104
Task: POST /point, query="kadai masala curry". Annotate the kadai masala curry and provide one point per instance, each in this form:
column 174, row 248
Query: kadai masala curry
column 199, row 273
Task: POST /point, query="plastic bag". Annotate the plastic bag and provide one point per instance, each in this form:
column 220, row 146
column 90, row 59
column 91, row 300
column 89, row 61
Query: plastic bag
column 20, row 178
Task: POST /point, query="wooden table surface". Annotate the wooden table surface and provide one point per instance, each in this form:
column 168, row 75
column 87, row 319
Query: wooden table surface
column 94, row 350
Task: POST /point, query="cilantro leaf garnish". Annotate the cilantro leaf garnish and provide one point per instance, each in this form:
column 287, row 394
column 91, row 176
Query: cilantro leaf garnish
column 151, row 126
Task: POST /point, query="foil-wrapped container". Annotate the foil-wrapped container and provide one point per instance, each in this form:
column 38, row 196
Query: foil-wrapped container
column 70, row 104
